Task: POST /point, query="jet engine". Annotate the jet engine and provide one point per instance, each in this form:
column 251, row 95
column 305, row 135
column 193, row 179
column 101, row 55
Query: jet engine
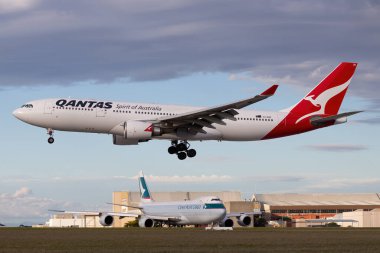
column 132, row 132
column 105, row 219
column 244, row 220
column 226, row 222
column 145, row 222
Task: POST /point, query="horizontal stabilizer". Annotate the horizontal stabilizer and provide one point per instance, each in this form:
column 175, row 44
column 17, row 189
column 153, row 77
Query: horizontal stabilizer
column 318, row 121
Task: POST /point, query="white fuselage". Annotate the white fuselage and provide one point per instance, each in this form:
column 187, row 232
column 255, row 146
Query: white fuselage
column 250, row 125
column 192, row 212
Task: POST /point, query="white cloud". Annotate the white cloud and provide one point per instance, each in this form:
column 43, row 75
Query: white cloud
column 22, row 192
column 342, row 183
column 186, row 179
column 7, row 6
column 305, row 73
column 22, row 206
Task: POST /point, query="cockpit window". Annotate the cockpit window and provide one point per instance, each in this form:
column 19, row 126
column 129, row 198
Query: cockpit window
column 27, row 106
column 215, row 199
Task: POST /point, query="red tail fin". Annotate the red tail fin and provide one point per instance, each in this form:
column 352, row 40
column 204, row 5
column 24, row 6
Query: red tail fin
column 327, row 96
column 324, row 100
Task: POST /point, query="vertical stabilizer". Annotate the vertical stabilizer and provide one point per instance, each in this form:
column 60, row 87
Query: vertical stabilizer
column 327, row 96
column 323, row 101
column 144, row 191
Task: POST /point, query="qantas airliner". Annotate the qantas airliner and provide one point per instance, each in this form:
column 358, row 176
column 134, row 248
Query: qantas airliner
column 132, row 123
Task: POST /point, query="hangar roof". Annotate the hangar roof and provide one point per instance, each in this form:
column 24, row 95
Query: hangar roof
column 318, row 199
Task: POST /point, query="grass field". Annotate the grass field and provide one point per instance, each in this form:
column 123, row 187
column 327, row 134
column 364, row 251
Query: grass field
column 189, row 240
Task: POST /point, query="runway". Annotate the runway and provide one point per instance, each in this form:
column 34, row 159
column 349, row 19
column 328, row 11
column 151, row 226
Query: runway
column 35, row 240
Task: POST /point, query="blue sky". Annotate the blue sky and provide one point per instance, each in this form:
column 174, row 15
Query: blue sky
column 173, row 62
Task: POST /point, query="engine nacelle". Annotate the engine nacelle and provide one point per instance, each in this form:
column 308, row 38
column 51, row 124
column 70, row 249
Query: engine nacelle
column 120, row 140
column 226, row 222
column 244, row 220
column 132, row 132
column 145, row 222
column 106, row 219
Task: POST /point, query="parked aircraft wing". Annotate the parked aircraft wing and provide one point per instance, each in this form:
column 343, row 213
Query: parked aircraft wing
column 132, row 206
column 123, row 214
column 237, row 214
column 163, row 218
column 91, row 213
column 87, row 213
column 207, row 116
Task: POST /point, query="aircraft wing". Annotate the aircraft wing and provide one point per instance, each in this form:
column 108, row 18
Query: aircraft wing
column 123, row 214
column 163, row 218
column 238, row 214
column 95, row 213
column 87, row 213
column 198, row 119
column 132, row 206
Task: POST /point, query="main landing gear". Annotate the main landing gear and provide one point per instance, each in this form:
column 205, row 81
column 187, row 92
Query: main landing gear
column 182, row 150
column 50, row 133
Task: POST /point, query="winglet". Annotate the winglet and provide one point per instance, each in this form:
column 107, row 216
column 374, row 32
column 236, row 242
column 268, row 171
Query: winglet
column 270, row 91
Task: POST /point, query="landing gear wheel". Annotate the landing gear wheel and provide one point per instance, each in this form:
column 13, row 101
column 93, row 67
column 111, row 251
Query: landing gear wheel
column 181, row 155
column 191, row 153
column 181, row 147
column 172, row 150
column 51, row 140
column 50, row 133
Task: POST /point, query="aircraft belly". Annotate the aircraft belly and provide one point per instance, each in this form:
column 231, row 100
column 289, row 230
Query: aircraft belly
column 186, row 216
column 245, row 130
column 211, row 134
column 79, row 122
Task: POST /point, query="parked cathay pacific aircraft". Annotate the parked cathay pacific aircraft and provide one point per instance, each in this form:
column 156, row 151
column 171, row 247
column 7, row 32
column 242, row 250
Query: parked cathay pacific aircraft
column 132, row 123
column 202, row 211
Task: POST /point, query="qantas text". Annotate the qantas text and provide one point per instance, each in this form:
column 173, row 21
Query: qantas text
column 81, row 103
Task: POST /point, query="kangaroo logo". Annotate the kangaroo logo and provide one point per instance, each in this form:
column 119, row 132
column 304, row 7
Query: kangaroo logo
column 322, row 99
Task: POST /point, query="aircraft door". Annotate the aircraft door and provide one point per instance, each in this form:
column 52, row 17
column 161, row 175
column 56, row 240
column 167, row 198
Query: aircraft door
column 48, row 107
column 101, row 112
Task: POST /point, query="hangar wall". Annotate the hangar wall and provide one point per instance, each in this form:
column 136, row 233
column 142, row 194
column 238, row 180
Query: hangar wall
column 315, row 205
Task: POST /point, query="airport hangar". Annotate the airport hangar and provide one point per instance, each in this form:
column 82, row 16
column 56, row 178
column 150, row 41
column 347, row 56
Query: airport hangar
column 363, row 207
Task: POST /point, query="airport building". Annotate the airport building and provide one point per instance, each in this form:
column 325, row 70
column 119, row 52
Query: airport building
column 70, row 220
column 357, row 210
column 301, row 207
column 363, row 218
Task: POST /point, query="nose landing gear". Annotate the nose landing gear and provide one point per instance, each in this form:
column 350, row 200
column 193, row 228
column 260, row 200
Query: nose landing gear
column 50, row 133
column 182, row 150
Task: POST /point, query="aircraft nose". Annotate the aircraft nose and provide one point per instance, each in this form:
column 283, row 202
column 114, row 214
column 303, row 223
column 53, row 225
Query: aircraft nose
column 18, row 113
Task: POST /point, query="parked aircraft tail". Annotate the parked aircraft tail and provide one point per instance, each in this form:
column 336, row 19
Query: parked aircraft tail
column 144, row 191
